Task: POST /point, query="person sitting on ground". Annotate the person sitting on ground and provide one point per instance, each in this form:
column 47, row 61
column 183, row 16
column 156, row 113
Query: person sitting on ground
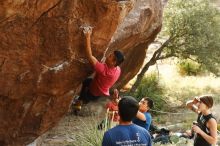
column 106, row 74
column 143, row 117
column 206, row 127
column 112, row 112
column 127, row 133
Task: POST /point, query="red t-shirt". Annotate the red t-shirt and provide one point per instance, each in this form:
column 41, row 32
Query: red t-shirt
column 112, row 106
column 104, row 79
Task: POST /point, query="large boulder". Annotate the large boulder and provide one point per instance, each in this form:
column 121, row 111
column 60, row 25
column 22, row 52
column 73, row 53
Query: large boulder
column 137, row 31
column 42, row 59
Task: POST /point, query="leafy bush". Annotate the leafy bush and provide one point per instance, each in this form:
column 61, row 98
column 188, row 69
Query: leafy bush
column 150, row 87
column 189, row 67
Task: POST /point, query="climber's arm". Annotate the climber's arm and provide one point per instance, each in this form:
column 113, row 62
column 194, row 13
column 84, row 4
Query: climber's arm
column 89, row 55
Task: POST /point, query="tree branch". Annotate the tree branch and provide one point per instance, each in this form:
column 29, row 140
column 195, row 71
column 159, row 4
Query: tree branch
column 151, row 62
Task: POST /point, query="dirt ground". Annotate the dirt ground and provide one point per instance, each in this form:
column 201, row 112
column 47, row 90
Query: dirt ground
column 64, row 133
column 68, row 127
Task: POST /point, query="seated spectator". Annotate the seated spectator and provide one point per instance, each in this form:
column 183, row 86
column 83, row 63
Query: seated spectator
column 143, row 117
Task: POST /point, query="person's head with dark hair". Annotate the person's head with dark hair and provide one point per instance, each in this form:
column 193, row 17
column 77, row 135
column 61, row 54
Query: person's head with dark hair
column 128, row 108
column 115, row 58
column 115, row 97
column 114, row 93
column 119, row 57
column 149, row 102
column 146, row 104
column 207, row 100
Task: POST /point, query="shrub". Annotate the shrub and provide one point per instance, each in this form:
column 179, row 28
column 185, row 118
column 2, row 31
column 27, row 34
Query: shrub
column 218, row 127
column 150, row 87
column 89, row 135
column 189, row 67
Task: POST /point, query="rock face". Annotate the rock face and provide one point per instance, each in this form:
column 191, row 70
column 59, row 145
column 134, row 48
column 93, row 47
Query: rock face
column 42, row 61
column 133, row 36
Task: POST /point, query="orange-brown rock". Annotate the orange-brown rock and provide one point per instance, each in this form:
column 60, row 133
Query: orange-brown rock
column 42, row 61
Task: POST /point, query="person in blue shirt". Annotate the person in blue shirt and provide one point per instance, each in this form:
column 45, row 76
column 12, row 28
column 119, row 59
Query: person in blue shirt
column 127, row 133
column 143, row 117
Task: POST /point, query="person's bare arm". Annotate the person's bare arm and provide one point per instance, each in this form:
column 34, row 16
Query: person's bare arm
column 191, row 104
column 141, row 116
column 212, row 125
column 89, row 55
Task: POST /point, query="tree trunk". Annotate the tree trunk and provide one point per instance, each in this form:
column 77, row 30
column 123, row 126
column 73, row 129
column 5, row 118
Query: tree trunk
column 141, row 74
column 156, row 56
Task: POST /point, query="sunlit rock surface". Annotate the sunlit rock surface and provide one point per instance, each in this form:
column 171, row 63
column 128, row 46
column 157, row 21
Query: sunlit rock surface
column 42, row 61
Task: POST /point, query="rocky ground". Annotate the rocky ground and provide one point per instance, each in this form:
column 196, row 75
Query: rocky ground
column 66, row 131
column 70, row 125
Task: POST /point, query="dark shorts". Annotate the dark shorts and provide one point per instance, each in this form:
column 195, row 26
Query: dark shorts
column 85, row 94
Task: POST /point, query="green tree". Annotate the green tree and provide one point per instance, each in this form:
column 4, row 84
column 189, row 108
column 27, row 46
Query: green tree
column 191, row 30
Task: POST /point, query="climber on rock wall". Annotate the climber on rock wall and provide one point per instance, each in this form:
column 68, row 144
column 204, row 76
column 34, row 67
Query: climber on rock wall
column 106, row 74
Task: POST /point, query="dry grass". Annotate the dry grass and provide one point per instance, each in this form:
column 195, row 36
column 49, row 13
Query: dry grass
column 182, row 88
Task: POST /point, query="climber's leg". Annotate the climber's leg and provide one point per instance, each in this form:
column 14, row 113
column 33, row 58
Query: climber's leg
column 85, row 96
column 85, row 88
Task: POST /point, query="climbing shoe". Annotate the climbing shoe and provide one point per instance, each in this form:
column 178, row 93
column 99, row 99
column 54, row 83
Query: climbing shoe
column 76, row 106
